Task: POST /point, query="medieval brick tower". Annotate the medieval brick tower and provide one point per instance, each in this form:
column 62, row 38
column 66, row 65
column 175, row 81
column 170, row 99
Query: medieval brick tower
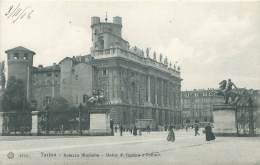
column 20, row 61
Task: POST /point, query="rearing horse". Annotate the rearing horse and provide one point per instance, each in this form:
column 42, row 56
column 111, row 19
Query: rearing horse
column 228, row 92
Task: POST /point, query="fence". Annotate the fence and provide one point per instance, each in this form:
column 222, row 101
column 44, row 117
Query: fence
column 16, row 123
column 73, row 122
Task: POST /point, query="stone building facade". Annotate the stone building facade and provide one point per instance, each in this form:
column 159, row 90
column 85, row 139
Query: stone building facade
column 135, row 85
column 197, row 105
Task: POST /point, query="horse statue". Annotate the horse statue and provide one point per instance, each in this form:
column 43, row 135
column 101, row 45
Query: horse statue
column 97, row 98
column 226, row 89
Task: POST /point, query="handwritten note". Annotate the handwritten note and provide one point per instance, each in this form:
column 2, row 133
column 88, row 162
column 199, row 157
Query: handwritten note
column 19, row 12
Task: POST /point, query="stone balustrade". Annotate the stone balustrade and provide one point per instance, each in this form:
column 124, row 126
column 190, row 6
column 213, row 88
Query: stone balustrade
column 118, row 52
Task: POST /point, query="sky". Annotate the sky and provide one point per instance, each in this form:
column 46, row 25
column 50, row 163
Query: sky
column 211, row 41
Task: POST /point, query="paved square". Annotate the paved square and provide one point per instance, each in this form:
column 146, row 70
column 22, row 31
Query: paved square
column 146, row 149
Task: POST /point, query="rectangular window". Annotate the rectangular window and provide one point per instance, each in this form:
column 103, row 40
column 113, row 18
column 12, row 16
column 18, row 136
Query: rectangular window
column 16, row 56
column 25, row 56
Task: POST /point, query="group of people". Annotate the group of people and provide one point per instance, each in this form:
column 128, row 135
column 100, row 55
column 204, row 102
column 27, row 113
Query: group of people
column 171, row 135
column 133, row 130
column 208, row 133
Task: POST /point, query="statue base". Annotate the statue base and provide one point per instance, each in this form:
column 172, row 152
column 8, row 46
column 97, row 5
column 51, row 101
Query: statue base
column 100, row 122
column 224, row 116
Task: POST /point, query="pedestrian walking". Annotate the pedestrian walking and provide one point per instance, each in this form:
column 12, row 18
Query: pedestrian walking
column 112, row 127
column 135, row 131
column 121, row 130
column 148, row 129
column 171, row 135
column 209, row 134
column 140, row 132
column 197, row 130
column 115, row 129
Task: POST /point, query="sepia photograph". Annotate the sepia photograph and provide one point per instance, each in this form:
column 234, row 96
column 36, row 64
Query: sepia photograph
column 171, row 82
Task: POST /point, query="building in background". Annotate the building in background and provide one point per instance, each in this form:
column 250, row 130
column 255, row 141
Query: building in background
column 136, row 85
column 248, row 112
column 197, row 105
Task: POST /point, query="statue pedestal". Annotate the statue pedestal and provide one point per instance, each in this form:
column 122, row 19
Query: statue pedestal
column 34, row 130
column 224, row 116
column 100, row 122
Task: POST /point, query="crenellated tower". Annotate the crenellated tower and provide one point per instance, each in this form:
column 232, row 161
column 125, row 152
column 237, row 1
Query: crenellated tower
column 107, row 34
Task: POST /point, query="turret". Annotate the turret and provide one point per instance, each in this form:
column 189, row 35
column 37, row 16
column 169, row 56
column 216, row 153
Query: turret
column 117, row 20
column 107, row 34
column 95, row 20
column 19, row 62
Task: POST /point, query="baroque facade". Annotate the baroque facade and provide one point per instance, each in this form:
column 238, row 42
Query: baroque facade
column 136, row 85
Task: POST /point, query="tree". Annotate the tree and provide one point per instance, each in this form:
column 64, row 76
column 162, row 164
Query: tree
column 14, row 97
column 14, row 100
column 59, row 113
column 58, row 104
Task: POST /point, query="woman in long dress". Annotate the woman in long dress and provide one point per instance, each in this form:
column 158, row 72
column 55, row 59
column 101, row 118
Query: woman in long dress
column 135, row 131
column 171, row 135
column 209, row 134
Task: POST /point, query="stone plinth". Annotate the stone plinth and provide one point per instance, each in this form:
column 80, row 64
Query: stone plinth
column 224, row 120
column 100, row 122
column 34, row 130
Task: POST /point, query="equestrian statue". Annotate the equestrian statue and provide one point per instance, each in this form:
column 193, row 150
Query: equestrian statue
column 229, row 90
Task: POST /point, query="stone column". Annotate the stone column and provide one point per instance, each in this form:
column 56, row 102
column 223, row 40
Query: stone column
column 110, row 89
column 156, row 91
column 167, row 93
column 35, row 130
column 1, row 122
column 149, row 89
column 162, row 90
